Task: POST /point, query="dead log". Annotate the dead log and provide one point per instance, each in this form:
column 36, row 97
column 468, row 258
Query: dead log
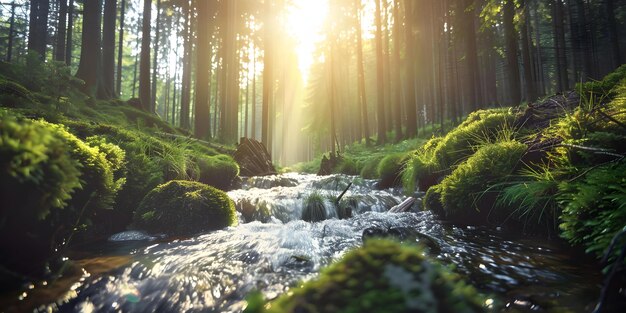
column 404, row 206
column 253, row 158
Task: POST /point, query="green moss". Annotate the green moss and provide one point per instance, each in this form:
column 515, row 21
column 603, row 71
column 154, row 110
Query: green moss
column 184, row 208
column 382, row 276
column 463, row 190
column 439, row 155
column 346, row 166
column 604, row 90
column 53, row 185
column 369, row 168
column 313, row 209
column 217, row 171
column 390, row 169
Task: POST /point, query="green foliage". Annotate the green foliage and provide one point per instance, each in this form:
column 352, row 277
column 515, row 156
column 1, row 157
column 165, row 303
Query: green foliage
column 391, row 165
column 39, row 172
column 184, row 208
column 462, row 190
column 369, row 168
column 346, row 166
column 382, row 276
column 531, row 196
column 314, row 209
column 604, row 90
column 594, row 207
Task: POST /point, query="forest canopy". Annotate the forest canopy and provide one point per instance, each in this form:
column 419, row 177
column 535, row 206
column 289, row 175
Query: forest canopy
column 306, row 77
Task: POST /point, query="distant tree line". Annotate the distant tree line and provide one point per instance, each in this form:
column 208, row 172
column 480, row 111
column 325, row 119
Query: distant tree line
column 226, row 68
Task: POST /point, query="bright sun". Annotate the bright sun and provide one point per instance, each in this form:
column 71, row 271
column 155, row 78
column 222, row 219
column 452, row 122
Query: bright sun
column 305, row 21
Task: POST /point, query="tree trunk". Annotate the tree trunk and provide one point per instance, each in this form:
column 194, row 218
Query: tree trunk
column 108, row 49
column 397, row 65
column 144, row 60
column 120, row 51
column 253, row 126
column 511, row 53
column 202, row 125
column 471, row 54
column 382, row 128
column 361, row 74
column 411, row 112
column 559, row 43
column 38, row 26
column 268, row 75
column 70, row 31
column 613, row 33
column 185, row 92
column 90, row 50
column 59, row 54
column 155, row 64
column 526, row 55
column 11, row 31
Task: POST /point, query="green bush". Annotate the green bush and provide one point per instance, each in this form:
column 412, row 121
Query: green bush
column 463, row 190
column 382, row 276
column 182, row 208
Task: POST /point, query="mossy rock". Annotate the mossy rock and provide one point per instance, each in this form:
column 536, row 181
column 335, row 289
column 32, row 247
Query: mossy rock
column 390, row 170
column 218, row 171
column 382, row 276
column 182, row 208
column 465, row 192
column 369, row 168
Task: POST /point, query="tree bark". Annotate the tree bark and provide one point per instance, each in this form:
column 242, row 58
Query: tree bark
column 120, row 51
column 613, row 33
column 361, row 74
column 396, row 71
column 526, row 54
column 411, row 112
column 108, row 49
column 155, row 57
column 559, row 43
column 268, row 76
column 185, row 92
column 471, row 54
column 382, row 127
column 38, row 26
column 202, row 125
column 11, row 31
column 59, row 54
column 90, row 52
column 144, row 60
column 511, row 53
column 70, row 31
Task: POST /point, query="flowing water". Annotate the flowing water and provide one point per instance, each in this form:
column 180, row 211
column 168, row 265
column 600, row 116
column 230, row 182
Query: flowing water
column 272, row 249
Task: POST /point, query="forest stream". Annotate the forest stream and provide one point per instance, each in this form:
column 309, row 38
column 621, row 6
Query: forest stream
column 214, row 272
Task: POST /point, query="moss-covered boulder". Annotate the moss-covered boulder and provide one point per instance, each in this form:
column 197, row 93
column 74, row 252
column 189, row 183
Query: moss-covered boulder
column 464, row 194
column 382, row 276
column 181, row 208
column 390, row 170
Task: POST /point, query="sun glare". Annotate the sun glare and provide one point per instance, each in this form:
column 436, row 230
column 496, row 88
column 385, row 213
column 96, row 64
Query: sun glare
column 304, row 23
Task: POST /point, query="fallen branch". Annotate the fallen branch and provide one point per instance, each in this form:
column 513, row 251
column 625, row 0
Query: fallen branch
column 343, row 193
column 403, row 206
column 594, row 150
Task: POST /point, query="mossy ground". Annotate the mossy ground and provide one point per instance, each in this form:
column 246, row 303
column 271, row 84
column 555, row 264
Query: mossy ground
column 382, row 276
column 77, row 167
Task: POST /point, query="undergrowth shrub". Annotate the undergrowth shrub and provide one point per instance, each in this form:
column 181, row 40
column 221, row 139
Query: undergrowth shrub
column 314, row 208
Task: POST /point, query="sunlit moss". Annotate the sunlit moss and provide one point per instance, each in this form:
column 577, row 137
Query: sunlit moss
column 464, row 190
column 184, row 208
column 382, row 276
